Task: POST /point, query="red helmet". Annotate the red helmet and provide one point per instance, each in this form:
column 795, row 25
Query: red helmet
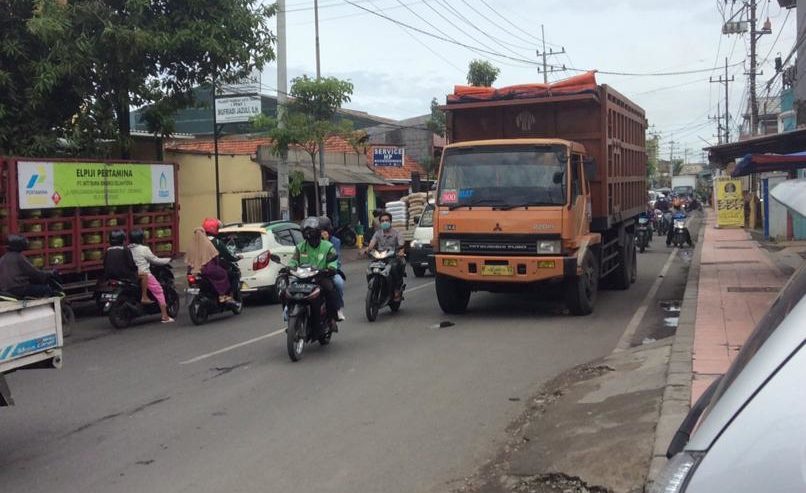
column 211, row 226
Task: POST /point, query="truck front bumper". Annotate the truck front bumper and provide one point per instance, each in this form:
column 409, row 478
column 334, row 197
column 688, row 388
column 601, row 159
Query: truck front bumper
column 505, row 269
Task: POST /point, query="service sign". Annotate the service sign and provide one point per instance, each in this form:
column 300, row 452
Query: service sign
column 388, row 156
column 48, row 185
column 236, row 109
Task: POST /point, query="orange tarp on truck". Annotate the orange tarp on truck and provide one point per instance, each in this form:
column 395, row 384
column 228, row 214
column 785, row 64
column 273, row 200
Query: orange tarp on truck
column 573, row 85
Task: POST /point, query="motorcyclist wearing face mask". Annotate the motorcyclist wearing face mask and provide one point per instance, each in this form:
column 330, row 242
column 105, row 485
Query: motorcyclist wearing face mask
column 320, row 254
column 388, row 239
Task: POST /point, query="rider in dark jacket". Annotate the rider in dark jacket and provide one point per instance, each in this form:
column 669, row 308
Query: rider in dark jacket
column 18, row 276
column 118, row 260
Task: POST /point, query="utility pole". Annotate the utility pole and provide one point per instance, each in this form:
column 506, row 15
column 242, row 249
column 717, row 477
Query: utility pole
column 754, row 37
column 282, row 101
column 215, row 149
column 320, row 189
column 718, row 120
column 671, row 158
column 725, row 81
column 551, row 52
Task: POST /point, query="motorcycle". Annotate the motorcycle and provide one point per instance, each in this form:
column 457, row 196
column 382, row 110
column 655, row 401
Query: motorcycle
column 680, row 233
column 380, row 291
column 658, row 221
column 346, row 234
column 666, row 223
column 123, row 304
column 305, row 306
column 643, row 234
column 204, row 298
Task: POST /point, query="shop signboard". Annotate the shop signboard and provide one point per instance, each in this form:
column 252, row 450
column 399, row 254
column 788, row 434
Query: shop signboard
column 388, row 156
column 48, row 185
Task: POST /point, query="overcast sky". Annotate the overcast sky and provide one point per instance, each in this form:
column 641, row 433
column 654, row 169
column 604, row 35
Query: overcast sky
column 396, row 71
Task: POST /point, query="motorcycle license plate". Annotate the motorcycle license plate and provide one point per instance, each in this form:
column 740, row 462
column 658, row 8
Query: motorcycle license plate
column 193, row 291
column 109, row 296
column 497, row 270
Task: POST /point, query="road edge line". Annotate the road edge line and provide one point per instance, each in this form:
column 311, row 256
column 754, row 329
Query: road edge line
column 677, row 391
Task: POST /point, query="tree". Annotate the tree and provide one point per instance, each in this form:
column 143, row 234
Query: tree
column 437, row 121
column 482, row 73
column 310, row 117
column 652, row 157
column 115, row 54
column 677, row 167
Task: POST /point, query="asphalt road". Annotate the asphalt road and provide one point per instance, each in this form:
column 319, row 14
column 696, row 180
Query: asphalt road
column 398, row 405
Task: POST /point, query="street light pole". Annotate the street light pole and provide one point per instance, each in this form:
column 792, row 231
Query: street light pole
column 321, row 188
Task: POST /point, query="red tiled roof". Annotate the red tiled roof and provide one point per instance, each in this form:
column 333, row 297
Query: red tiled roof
column 241, row 145
column 395, row 173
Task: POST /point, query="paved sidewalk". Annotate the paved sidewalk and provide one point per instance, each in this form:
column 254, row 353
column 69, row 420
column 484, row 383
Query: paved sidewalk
column 737, row 284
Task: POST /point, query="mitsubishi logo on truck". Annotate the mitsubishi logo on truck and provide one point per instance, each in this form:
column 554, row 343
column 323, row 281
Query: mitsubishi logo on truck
column 497, row 227
column 525, row 120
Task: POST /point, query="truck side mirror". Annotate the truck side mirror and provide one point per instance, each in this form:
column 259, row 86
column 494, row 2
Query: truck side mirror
column 558, row 177
column 590, row 169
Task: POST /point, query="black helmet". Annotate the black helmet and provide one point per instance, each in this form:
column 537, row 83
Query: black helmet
column 17, row 243
column 136, row 236
column 117, row 237
column 325, row 224
column 311, row 231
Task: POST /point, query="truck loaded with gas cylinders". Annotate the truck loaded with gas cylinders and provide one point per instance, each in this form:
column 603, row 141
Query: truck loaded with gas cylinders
column 540, row 183
column 66, row 209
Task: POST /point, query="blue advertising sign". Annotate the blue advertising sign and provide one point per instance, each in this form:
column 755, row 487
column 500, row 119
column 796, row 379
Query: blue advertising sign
column 388, row 156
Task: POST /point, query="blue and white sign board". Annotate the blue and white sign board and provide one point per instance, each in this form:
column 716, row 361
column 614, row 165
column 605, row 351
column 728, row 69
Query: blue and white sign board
column 388, row 156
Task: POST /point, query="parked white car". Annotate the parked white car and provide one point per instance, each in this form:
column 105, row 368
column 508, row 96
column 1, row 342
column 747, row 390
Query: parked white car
column 257, row 243
column 420, row 254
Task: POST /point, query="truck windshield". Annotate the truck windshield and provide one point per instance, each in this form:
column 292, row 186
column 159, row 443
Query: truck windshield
column 503, row 176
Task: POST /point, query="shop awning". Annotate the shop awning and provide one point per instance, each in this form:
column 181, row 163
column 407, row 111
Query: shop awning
column 792, row 194
column 348, row 175
column 762, row 163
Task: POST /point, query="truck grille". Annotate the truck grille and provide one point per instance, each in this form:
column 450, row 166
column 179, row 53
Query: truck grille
column 500, row 244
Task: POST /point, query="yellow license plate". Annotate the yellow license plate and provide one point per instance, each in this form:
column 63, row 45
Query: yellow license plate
column 545, row 264
column 497, row 270
column 450, row 262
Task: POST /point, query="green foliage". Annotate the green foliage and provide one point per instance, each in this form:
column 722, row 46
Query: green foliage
column 677, row 166
column 437, row 121
column 309, row 119
column 482, row 73
column 652, row 156
column 295, row 180
column 89, row 61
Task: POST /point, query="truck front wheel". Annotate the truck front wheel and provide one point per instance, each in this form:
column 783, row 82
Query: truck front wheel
column 453, row 295
column 580, row 291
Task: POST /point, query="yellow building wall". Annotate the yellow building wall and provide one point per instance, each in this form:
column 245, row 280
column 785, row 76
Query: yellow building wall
column 239, row 177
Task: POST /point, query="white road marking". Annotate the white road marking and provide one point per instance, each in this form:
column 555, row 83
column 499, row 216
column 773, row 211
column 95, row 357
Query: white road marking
column 638, row 316
column 234, row 346
column 264, row 336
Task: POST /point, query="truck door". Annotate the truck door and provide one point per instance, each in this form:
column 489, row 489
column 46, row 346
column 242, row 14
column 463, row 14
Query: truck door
column 579, row 198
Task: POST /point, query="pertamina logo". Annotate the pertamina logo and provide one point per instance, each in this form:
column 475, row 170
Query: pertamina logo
column 36, row 178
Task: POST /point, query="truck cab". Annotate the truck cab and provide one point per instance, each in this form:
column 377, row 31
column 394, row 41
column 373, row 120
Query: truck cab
column 510, row 213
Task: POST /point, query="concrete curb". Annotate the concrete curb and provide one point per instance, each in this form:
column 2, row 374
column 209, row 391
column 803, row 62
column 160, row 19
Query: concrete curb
column 677, row 394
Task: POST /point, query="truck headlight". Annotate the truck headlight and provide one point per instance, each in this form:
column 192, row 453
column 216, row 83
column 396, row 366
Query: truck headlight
column 449, row 246
column 548, row 246
column 676, row 472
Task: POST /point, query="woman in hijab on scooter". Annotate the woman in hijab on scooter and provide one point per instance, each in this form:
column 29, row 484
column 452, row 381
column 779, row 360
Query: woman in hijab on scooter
column 203, row 257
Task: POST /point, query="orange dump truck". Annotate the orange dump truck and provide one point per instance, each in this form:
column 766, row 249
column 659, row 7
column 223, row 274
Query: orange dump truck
column 539, row 184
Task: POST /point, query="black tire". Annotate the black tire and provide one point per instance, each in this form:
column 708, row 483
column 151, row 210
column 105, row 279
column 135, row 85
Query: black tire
column 119, row 316
column 172, row 302
column 634, row 270
column 348, row 238
column 453, row 295
column 68, row 319
column 272, row 296
column 581, row 291
column 372, row 302
column 198, row 311
column 621, row 276
column 394, row 306
column 295, row 337
column 418, row 271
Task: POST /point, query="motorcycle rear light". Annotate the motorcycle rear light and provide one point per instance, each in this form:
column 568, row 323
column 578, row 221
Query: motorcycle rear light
column 191, row 279
column 262, row 261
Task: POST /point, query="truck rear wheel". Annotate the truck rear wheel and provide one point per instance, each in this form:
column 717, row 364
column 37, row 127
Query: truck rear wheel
column 580, row 291
column 621, row 278
column 453, row 295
